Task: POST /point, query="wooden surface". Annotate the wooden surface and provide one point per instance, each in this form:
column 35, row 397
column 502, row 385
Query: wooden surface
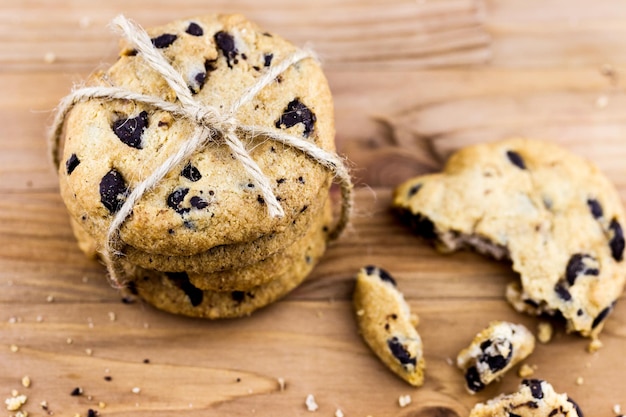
column 412, row 81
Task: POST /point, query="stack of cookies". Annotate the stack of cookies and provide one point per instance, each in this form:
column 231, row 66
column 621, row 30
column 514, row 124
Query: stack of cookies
column 200, row 242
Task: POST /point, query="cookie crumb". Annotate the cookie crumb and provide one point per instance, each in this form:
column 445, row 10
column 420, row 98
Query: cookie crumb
column 360, row 312
column 594, row 346
column 338, row 413
column 14, row 348
column 44, row 405
column 50, row 298
column 310, row 403
column 69, row 341
column 21, row 413
column 281, row 383
column 89, row 352
column 544, row 332
column 580, row 380
column 112, row 316
column 602, row 102
column 525, row 371
column 85, row 279
column 49, row 57
column 84, row 22
column 26, row 381
column 15, row 402
column 39, row 319
column 92, row 413
column 404, row 400
column 136, row 390
column 450, row 361
column 617, row 409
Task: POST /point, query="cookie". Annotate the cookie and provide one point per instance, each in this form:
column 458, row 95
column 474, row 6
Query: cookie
column 175, row 293
column 260, row 273
column 221, row 257
column 110, row 146
column 493, row 352
column 385, row 322
column 534, row 398
column 553, row 214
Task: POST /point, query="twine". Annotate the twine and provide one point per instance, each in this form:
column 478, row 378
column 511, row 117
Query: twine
column 210, row 125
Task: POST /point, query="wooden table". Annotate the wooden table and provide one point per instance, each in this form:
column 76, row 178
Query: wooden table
column 412, row 81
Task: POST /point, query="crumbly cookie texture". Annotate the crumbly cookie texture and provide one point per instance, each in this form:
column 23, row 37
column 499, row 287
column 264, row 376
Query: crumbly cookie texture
column 494, row 351
column 219, row 258
column 386, row 324
column 553, row 214
column 210, row 200
column 534, row 398
column 175, row 293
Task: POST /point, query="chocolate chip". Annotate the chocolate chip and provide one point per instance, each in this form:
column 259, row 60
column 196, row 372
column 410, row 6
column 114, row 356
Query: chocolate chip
column 226, row 43
column 603, row 314
column 617, row 241
column 400, row 352
column 113, row 190
column 108, row 378
column 513, row 414
column 175, row 199
column 92, row 413
column 200, row 79
column 414, row 189
column 238, row 296
column 267, row 60
column 472, row 379
column 516, row 159
column 260, row 199
column 129, row 130
column 595, row 208
column 577, row 266
column 210, row 65
column 198, row 202
column 164, row 40
column 281, row 180
column 535, row 387
column 562, row 291
column 301, row 180
column 386, row 276
column 492, row 357
column 370, row 269
column 76, row 392
column 576, row 407
column 181, row 280
column 498, row 362
column 194, row 29
column 191, row 173
column 295, row 113
column 71, row 163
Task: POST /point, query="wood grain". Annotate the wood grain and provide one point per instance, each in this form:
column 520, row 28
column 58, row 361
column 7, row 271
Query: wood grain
column 412, row 82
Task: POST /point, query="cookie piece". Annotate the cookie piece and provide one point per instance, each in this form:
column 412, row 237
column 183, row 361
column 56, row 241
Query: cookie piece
column 493, row 352
column 264, row 271
column 175, row 293
column 221, row 257
column 534, row 398
column 386, row 324
column 209, row 200
column 552, row 213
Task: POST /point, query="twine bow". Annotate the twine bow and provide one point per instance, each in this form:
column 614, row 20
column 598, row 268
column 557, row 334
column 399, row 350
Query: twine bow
column 210, row 125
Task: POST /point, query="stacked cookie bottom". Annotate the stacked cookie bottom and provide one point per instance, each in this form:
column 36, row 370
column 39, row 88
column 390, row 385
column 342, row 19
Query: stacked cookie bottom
column 227, row 281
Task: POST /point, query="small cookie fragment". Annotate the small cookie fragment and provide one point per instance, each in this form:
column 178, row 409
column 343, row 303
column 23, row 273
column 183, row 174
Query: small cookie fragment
column 534, row 398
column 544, row 332
column 493, row 352
column 385, row 322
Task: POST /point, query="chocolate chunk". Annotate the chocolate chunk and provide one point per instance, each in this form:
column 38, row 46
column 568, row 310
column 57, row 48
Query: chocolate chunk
column 492, row 357
column 595, row 208
column 226, row 43
column 194, row 29
column 370, row 269
column 400, row 352
column 498, row 362
column 164, row 40
column 108, row 378
column 71, row 163
column 386, row 276
column 535, row 387
column 113, row 190
column 413, row 190
column 92, row 413
column 617, row 241
column 129, row 130
column 198, row 202
column 191, row 173
column 76, row 392
column 238, row 296
column 210, row 65
column 181, row 280
column 576, row 266
column 295, row 113
column 267, row 59
column 472, row 378
column 175, row 199
column 516, row 159
column 562, row 291
column 603, row 314
column 576, row 407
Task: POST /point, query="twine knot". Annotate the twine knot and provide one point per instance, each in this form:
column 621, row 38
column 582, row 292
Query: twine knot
column 210, row 124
